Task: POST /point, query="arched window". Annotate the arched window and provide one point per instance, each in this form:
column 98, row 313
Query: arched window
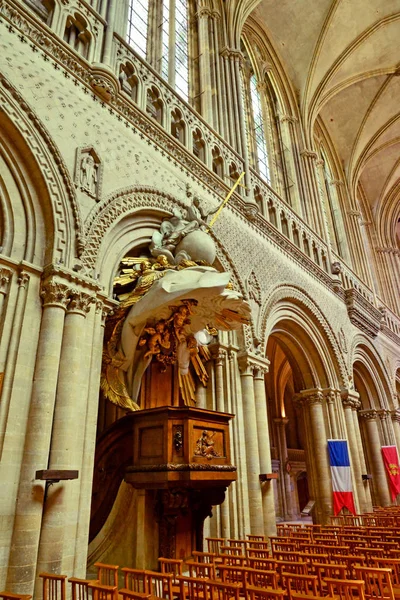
column 159, row 33
column 258, row 131
column 335, row 224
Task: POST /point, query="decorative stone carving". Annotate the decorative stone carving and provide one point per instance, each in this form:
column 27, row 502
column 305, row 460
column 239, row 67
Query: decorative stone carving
column 55, row 294
column 80, row 302
column 23, row 279
column 5, row 277
column 363, row 314
column 336, row 268
column 342, row 340
column 370, row 415
column 89, row 172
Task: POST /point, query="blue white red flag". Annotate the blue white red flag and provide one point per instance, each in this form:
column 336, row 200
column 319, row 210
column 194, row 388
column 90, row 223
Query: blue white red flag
column 341, row 476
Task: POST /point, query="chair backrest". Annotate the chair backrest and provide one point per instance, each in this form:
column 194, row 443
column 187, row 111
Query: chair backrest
column 135, row 580
column 235, row 550
column 391, row 563
column 193, row 588
column 173, row 566
column 160, row 585
column 107, row 574
column 204, row 557
column 261, row 593
column 378, row 582
column 222, row 591
column 258, row 578
column 80, row 588
column 323, row 570
column 214, row 545
column 10, row 596
column 54, row 586
column 345, row 589
column 305, row 584
column 256, row 538
column 263, row 564
column 298, row 567
column 232, row 574
column 234, row 560
column 257, row 552
column 201, row 569
column 103, row 592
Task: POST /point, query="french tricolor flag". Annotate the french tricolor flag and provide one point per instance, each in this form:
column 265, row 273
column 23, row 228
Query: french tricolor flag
column 341, row 476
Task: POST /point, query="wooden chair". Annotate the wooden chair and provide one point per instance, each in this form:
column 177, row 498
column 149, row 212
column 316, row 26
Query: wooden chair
column 107, row 574
column 10, row 596
column 193, row 588
column 256, row 538
column 234, row 560
column 345, row 589
column 234, row 550
column 206, row 557
column 100, row 591
column 264, row 579
column 263, row 564
column 322, row 570
column 135, row 580
column 394, row 565
column 214, row 545
column 173, row 566
column 80, row 588
column 159, row 585
column 295, row 567
column 202, row 570
column 54, row 586
column 303, row 584
column 260, row 593
column 257, row 553
column 222, row 591
column 378, row 582
column 232, row 574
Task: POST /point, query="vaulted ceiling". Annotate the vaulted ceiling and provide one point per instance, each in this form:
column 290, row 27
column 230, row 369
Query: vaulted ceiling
column 343, row 59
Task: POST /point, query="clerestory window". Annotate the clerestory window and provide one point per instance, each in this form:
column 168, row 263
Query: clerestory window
column 159, row 33
column 258, row 131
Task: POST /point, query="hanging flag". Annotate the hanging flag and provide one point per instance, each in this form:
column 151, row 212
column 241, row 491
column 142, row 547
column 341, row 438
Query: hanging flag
column 341, row 476
column 391, row 462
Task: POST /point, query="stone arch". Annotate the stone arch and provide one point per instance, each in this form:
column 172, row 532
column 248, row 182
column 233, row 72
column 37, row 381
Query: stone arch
column 38, row 159
column 298, row 304
column 136, row 208
column 371, row 375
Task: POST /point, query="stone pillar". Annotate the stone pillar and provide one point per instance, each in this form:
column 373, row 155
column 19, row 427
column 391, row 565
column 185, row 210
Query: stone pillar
column 252, row 453
column 330, row 398
column 361, row 454
column 312, row 401
column 5, row 276
column 350, row 401
column 28, row 514
column 264, row 451
column 203, row 17
column 13, row 347
column 219, row 365
column 395, row 414
column 383, row 416
column 374, row 445
column 59, row 523
column 285, row 478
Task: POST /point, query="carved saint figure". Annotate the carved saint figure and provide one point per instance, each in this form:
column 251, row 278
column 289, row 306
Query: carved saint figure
column 205, row 445
column 88, row 173
column 159, row 338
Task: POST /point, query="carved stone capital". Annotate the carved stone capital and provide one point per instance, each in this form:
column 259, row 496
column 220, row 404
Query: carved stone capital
column 336, row 182
column 80, row 303
column 310, row 397
column 232, row 53
column 251, row 211
column 369, row 415
column 5, row 276
column 383, row 414
column 23, row 279
column 204, row 12
column 254, row 365
column 55, row 294
column 288, row 119
column 330, row 395
column 350, row 398
column 395, row 414
column 219, row 355
column 309, row 154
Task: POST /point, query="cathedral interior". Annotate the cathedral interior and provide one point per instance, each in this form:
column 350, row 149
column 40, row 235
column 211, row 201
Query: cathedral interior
column 199, row 277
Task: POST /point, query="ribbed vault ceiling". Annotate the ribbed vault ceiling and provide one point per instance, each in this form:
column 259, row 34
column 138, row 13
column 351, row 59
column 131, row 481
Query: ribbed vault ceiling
column 343, row 59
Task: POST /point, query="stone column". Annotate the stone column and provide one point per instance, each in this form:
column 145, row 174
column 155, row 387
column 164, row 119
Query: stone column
column 350, row 400
column 284, row 475
column 13, row 347
column 219, row 365
column 252, row 453
column 312, row 401
column 5, row 276
column 374, row 445
column 203, row 16
column 363, row 464
column 59, row 523
column 264, row 451
column 330, row 398
column 395, row 414
column 28, row 514
column 383, row 416
column 86, row 474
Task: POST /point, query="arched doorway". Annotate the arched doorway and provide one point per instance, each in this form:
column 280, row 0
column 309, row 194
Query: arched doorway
column 304, row 404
